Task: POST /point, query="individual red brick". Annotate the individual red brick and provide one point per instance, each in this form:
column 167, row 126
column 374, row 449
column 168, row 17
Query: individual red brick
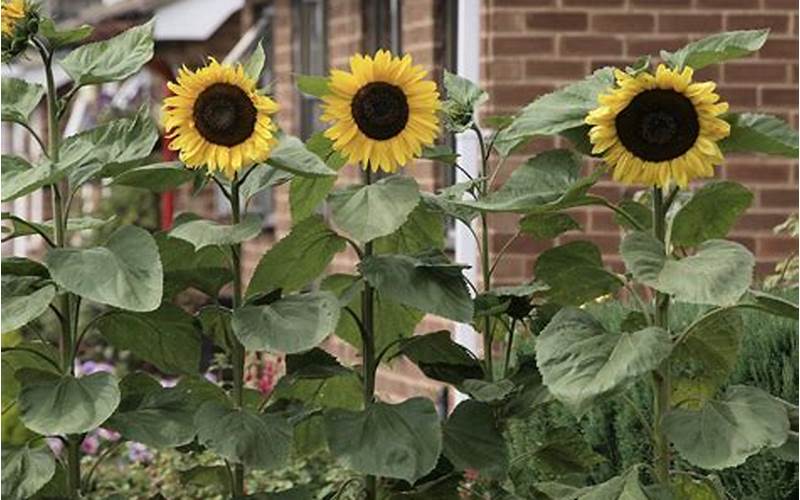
column 758, row 173
column 511, row 270
column 557, row 21
column 779, row 48
column 777, row 23
column 623, row 23
column 590, row 45
column 602, row 220
column 759, row 222
column 662, row 3
column 729, row 4
column 522, row 45
column 748, row 242
column 506, row 69
column 653, row 44
column 776, row 246
column 592, row 3
column 552, row 68
column 689, row 23
column 780, row 4
column 748, row 72
column 507, row 21
column 785, row 96
column 738, row 97
column 778, row 198
column 517, row 95
column 524, row 3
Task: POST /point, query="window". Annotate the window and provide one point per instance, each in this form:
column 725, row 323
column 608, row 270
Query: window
column 310, row 56
column 382, row 25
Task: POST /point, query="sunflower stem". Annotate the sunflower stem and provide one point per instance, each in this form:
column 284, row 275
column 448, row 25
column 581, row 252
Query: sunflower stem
column 66, row 345
column 238, row 353
column 661, row 377
column 368, row 345
column 486, row 267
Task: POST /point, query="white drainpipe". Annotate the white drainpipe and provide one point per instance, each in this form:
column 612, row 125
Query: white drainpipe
column 469, row 66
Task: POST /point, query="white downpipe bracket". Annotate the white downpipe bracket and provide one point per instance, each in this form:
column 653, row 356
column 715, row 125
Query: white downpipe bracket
column 468, row 60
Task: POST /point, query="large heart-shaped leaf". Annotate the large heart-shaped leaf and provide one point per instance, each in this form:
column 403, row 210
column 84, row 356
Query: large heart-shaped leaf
column 463, row 99
column 472, row 439
column 204, row 233
column 710, row 213
column 24, row 298
column 162, row 419
column 260, row 441
column 298, row 258
column 60, row 38
column 262, row 177
column 307, row 193
column 207, row 269
column 19, row 177
column 550, row 114
column 424, row 230
column 292, row 155
column 563, row 451
column 757, row 133
column 19, row 98
column 167, row 337
column 716, row 48
column 108, row 149
column 156, row 177
column 110, row 60
column 21, row 227
column 580, row 361
column 400, row 441
column 545, row 226
column 725, row 431
column 548, row 182
column 427, row 282
column 369, row 212
column 26, row 471
column 292, row 324
column 125, row 273
column 440, row 358
column 392, row 321
column 63, row 404
column 717, row 274
column 574, row 272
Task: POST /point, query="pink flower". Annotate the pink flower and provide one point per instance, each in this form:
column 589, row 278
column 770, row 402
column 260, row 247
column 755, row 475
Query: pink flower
column 90, row 445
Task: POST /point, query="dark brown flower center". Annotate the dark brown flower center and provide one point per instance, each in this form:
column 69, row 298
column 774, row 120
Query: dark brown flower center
column 658, row 125
column 224, row 114
column 380, row 110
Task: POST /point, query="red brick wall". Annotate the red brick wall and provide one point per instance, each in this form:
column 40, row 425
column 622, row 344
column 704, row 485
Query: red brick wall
column 534, row 46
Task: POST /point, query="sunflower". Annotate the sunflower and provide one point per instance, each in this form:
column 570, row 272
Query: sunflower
column 218, row 119
column 20, row 21
column 383, row 111
column 11, row 12
column 658, row 129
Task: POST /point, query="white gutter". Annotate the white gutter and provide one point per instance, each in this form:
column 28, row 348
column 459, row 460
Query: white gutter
column 468, row 62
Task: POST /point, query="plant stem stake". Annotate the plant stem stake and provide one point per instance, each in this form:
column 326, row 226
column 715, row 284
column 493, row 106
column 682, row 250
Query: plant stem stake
column 238, row 349
column 486, row 268
column 368, row 345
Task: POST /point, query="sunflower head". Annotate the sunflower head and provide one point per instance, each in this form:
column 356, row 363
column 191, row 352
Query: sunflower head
column 20, row 21
column 218, row 119
column 658, row 129
column 382, row 111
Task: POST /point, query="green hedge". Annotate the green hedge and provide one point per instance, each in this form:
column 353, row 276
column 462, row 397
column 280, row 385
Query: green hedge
column 769, row 360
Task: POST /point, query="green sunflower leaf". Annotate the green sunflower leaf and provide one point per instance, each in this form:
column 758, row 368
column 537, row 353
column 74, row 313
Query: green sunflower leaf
column 369, row 212
column 292, row 324
column 557, row 112
column 260, row 441
column 472, row 439
column 440, row 358
column 292, row 155
column 24, row 298
column 203, row 233
column 21, row 227
column 545, row 226
column 428, row 282
column 463, row 99
column 297, row 259
column 61, row 38
column 725, row 432
column 717, row 274
column 580, row 361
column 19, row 98
column 710, row 213
column 575, row 274
column 548, row 182
column 126, row 272
column 307, row 193
column 26, row 470
column 423, row 230
column 315, row 86
column 161, row 419
column 156, row 177
column 264, row 177
column 206, row 270
column 401, row 441
column 111, row 60
column 19, row 177
column 254, row 65
column 168, row 337
column 716, row 48
column 62, row 404
column 757, row 133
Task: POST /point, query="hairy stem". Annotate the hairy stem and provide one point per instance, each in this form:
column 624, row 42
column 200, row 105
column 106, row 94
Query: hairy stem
column 368, row 346
column 238, row 349
column 661, row 377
